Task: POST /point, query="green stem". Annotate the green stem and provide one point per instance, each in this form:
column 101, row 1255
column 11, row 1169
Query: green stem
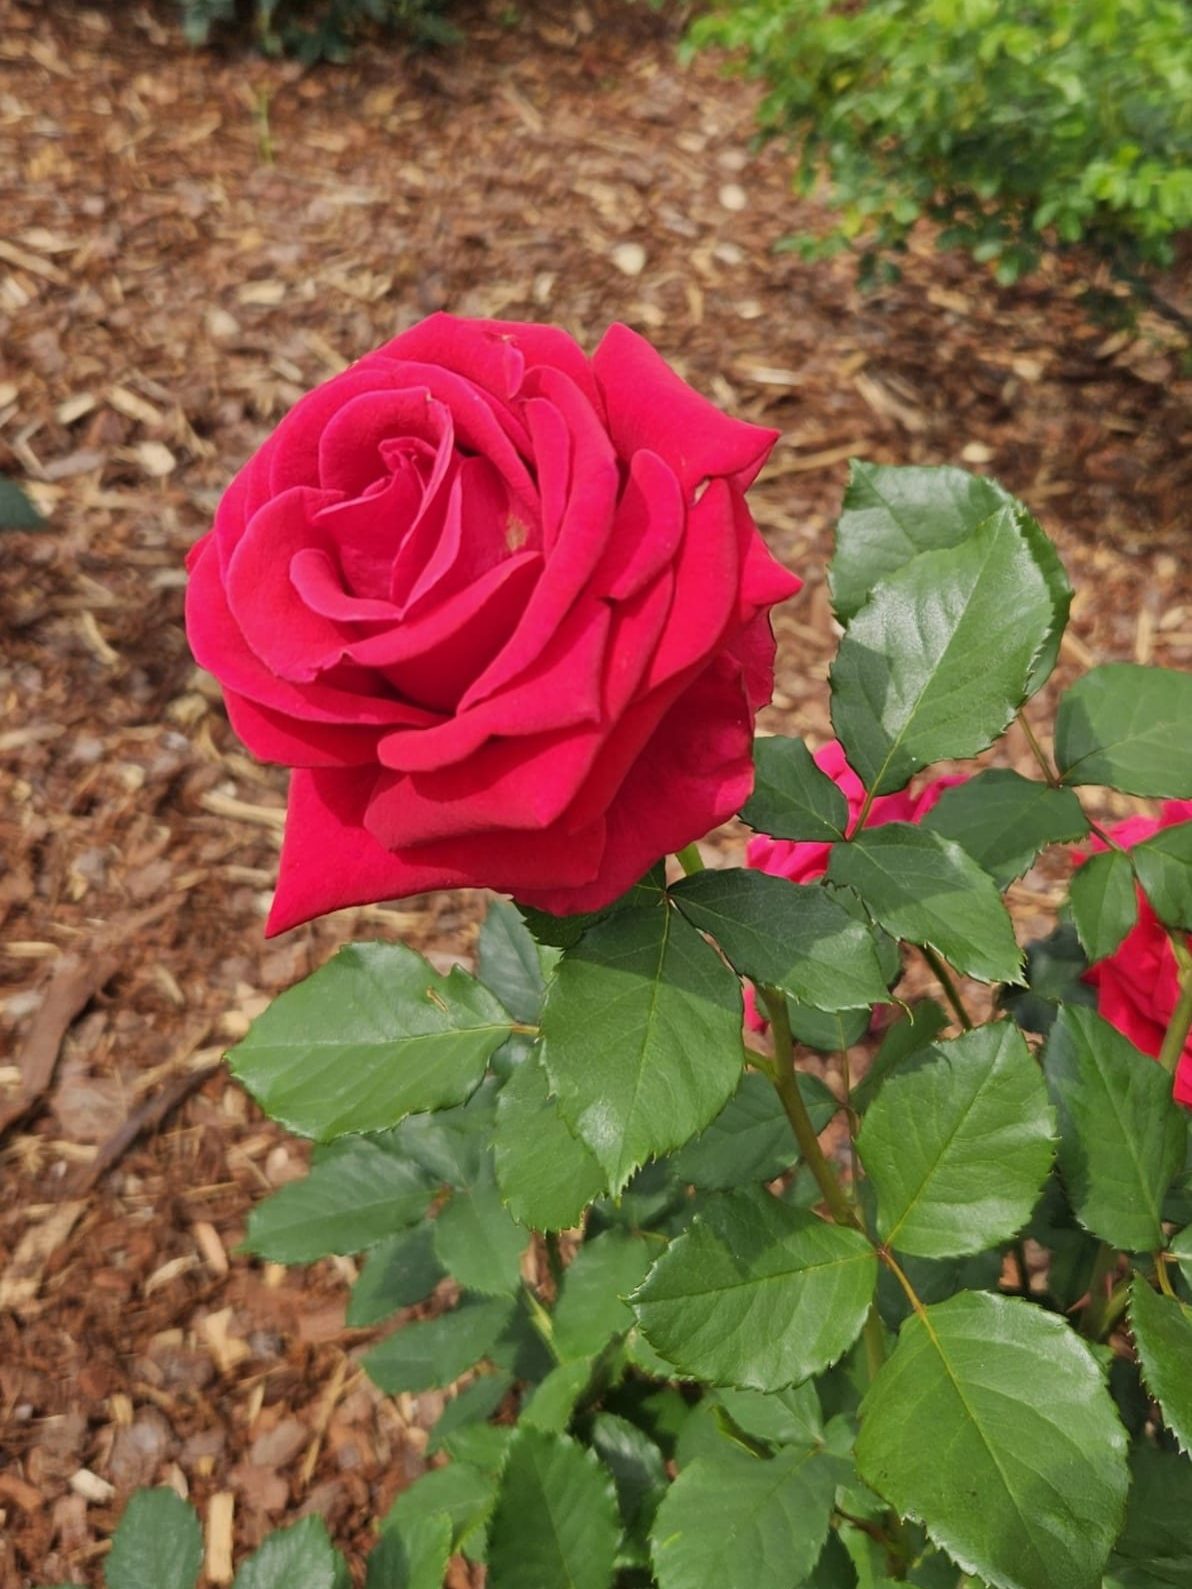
column 1175, row 1039
column 786, row 1084
column 1096, row 1310
column 1038, row 752
column 944, row 977
column 874, row 1338
column 690, row 859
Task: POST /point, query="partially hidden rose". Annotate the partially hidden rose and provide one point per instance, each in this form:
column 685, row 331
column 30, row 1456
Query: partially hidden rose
column 1138, row 985
column 503, row 609
column 805, row 861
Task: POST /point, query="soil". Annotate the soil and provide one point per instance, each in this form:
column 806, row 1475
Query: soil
column 190, row 241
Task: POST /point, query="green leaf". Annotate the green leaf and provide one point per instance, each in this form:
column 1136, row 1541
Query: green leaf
column 790, row 935
column 591, row 1309
column 463, row 1492
column 301, row 1554
column 926, row 889
column 636, row 1465
column 756, row 1294
column 553, row 1401
column 782, row 1417
column 792, row 798
column 1163, row 865
column 918, row 1028
column 939, row 660
column 642, row 1037
column 958, row 1146
column 1122, row 1138
column 374, row 1035
column 1054, row 968
column 555, row 1525
column 430, row 1353
column 891, row 514
column 1104, row 902
column 1163, row 1335
column 17, row 512
column 750, row 1139
column 507, row 961
column 739, row 1521
column 450, row 1145
column 1003, row 820
column 563, row 932
column 398, row 1272
column 158, row 1544
column 357, row 1193
column 1155, row 1550
column 1180, row 1247
column 547, row 1176
column 1126, row 726
column 472, row 1405
column 414, row 1557
column 478, row 1241
column 991, row 1424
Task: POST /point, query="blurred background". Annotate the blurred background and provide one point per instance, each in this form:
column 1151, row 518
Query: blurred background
column 935, row 231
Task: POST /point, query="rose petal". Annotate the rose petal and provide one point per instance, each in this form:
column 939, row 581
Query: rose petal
column 647, row 529
column 275, row 736
column 316, row 576
column 706, row 571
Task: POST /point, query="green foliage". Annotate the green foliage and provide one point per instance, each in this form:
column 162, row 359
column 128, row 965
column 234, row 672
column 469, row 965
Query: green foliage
column 1014, row 129
column 556, row 1519
column 158, row 1544
column 1163, row 1334
column 792, row 798
column 316, row 30
column 1003, row 820
column 17, row 512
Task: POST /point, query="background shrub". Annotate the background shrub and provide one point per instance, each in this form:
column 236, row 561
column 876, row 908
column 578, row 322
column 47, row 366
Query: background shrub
column 315, row 29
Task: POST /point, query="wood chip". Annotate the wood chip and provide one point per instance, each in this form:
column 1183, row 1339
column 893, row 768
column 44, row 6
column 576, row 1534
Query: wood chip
column 21, row 1280
column 221, row 1511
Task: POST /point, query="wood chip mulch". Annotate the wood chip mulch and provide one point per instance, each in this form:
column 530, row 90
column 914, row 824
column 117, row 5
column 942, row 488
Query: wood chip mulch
column 187, row 243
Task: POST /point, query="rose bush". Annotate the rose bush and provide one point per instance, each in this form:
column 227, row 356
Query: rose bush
column 502, row 608
column 1138, row 985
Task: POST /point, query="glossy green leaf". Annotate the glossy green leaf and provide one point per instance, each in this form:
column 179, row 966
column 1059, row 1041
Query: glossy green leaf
column 959, row 1144
column 472, row 1405
column 158, row 1544
column 636, row 1465
column 642, row 1037
column 1180, row 1247
column 750, row 1139
column 478, row 1241
column 563, row 932
column 940, row 658
column 1104, row 902
column 556, row 1524
column 1163, row 865
column 461, row 1491
column 1003, row 820
column 357, row 1193
column 1126, row 726
column 398, row 1272
column 1122, row 1138
column 430, row 1353
column 792, row 798
column 374, row 1035
column 740, row 1521
column 591, row 1308
column 927, row 890
column 1163, row 1335
column 1155, row 1549
column 992, row 1425
column 301, row 1554
column 451, row 1145
column 780, row 1417
column 507, row 961
column 554, row 1399
column 1054, row 968
column 547, row 1176
column 413, row 1557
column 909, row 1035
column 757, row 1294
column 789, row 935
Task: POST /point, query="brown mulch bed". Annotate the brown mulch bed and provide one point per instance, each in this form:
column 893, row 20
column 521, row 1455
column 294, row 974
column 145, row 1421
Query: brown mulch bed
column 189, row 242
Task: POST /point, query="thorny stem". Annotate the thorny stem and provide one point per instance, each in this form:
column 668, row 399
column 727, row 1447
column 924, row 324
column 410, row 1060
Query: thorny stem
column 944, row 978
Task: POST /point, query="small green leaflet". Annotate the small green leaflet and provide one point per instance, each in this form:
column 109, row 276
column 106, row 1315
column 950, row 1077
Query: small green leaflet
column 1155, row 1549
column 783, row 1417
column 158, row 1544
column 17, row 512
column 636, row 1465
column 472, row 1405
column 556, row 1522
column 918, row 1027
column 1181, row 1250
column 298, row 1555
column 431, row 1353
column 478, row 1241
column 553, row 1400
column 374, row 1035
column 924, row 888
column 591, row 1309
column 413, row 1557
column 461, row 1491
column 1033, row 1489
column 397, row 1272
column 1163, row 1335
column 358, row 1192
column 958, row 1145
column 1003, row 820
column 789, row 935
column 750, row 1139
column 738, row 1521
column 563, row 932
column 757, row 1294
column 1163, row 865
column 1126, row 726
column 1122, row 1138
column 1104, row 902
column 792, row 798
column 641, row 1037
column 547, row 1176
column 508, row 963
column 940, row 658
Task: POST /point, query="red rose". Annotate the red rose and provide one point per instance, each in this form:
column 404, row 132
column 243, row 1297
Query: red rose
column 1138, row 985
column 502, row 608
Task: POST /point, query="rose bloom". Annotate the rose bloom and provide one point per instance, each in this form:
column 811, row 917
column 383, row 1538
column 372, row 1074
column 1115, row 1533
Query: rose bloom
column 803, row 861
column 1138, row 985
column 503, row 609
